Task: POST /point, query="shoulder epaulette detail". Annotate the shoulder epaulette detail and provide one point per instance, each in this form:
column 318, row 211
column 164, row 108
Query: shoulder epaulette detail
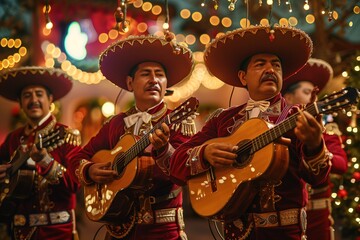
column 108, row 119
column 332, row 129
column 73, row 137
column 214, row 114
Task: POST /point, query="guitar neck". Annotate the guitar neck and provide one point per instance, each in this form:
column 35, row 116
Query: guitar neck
column 143, row 142
column 277, row 131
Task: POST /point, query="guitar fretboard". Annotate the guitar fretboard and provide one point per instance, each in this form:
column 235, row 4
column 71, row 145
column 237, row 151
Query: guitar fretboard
column 274, row 133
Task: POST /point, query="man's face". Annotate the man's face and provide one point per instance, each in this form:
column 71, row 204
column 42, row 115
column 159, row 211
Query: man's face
column 263, row 76
column 301, row 95
column 35, row 102
column 148, row 84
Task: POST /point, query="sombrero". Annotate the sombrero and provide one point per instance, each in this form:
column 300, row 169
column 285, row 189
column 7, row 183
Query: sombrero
column 316, row 71
column 12, row 81
column 225, row 55
column 118, row 59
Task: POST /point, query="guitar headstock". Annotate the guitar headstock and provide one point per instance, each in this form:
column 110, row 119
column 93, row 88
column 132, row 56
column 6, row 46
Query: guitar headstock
column 185, row 110
column 53, row 139
column 342, row 99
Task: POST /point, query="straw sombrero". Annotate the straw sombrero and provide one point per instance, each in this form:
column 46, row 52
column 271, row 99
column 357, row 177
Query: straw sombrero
column 316, row 71
column 225, row 54
column 12, row 81
column 118, row 59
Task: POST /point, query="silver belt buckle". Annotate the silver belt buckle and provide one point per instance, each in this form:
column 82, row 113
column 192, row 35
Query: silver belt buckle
column 19, row 220
column 59, row 217
column 38, row 219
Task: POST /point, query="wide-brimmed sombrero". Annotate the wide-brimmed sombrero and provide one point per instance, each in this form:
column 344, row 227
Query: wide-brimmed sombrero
column 12, row 81
column 121, row 57
column 316, row 71
column 225, row 55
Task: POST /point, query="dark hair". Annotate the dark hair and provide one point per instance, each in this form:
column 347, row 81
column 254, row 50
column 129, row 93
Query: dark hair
column 136, row 67
column 244, row 65
column 47, row 90
column 291, row 88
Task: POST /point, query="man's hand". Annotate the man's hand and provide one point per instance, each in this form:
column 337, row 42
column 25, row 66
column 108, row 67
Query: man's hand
column 309, row 130
column 102, row 173
column 36, row 154
column 220, row 154
column 3, row 169
column 160, row 138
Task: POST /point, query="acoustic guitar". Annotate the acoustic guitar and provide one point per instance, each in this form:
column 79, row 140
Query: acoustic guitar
column 224, row 193
column 19, row 179
column 105, row 202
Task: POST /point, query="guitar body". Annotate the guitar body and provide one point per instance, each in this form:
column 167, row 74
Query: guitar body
column 18, row 182
column 224, row 193
column 134, row 177
column 20, row 177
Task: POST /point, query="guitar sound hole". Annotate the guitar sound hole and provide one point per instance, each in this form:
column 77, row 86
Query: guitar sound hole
column 120, row 165
column 244, row 154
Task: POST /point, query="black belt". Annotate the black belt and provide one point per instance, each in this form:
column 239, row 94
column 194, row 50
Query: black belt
column 171, row 195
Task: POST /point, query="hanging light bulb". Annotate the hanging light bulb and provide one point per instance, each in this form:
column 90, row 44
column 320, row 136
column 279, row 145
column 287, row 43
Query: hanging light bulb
column 48, row 23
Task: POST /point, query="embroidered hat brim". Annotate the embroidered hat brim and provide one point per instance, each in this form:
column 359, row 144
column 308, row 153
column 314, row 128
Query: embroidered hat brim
column 225, row 55
column 118, row 59
column 316, row 71
column 12, row 81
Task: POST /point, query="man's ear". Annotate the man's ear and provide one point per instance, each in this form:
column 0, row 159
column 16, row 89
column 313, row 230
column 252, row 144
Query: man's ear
column 51, row 98
column 129, row 83
column 242, row 77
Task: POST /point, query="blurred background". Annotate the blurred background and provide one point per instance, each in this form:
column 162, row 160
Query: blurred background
column 71, row 35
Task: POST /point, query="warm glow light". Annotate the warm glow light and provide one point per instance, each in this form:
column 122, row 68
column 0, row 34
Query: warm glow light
column 156, row 10
column 17, row 43
column 22, row 51
column 103, row 37
column 196, row 16
column 244, row 23
column 113, row 34
column 108, row 109
column 306, row 6
column 351, row 23
column 344, row 74
column 11, row 43
column 283, row 22
column 146, row 6
column 214, row 20
column 142, row 27
column 293, row 21
column 205, row 39
column 4, row 42
column 335, row 15
column 190, row 39
column 226, row 22
column 180, row 37
column 356, row 9
column 185, row 13
column 310, row 19
column 138, row 3
column 264, row 22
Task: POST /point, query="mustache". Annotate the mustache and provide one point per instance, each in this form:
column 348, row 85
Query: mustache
column 269, row 76
column 153, row 87
column 34, row 104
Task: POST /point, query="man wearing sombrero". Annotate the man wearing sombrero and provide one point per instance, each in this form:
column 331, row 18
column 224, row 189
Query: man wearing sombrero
column 300, row 89
column 38, row 194
column 146, row 66
column 263, row 183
